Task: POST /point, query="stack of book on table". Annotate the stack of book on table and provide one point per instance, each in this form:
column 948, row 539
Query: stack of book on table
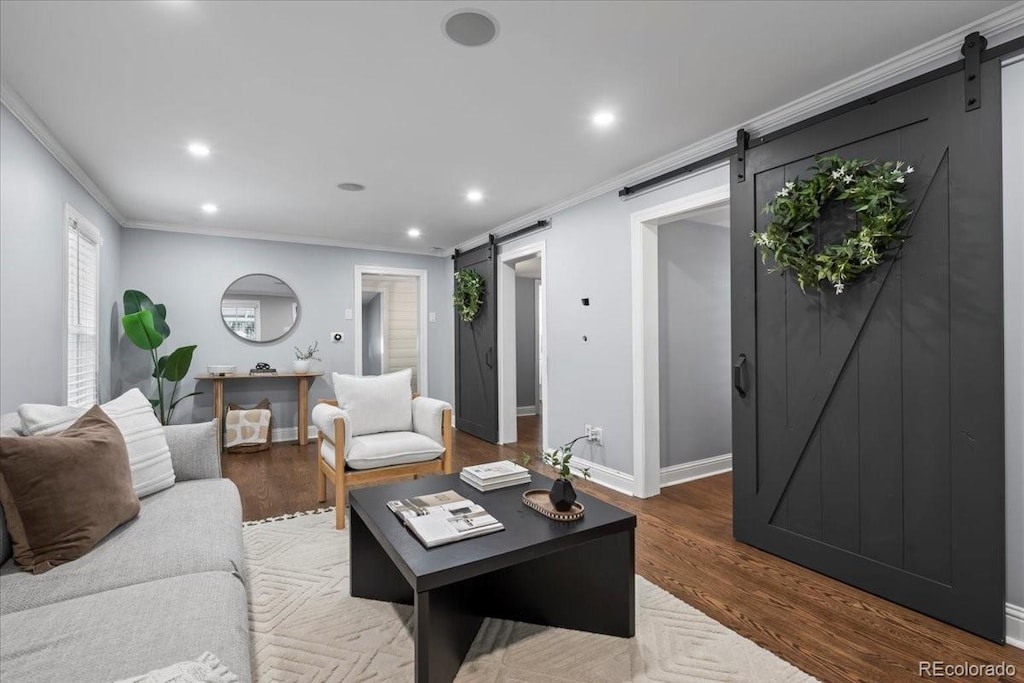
column 445, row 517
column 495, row 475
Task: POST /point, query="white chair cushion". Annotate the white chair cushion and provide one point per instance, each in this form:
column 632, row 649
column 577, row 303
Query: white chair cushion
column 383, row 450
column 376, row 404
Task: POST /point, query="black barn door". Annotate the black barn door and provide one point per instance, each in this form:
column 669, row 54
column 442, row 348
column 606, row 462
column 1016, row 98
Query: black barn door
column 476, row 349
column 869, row 439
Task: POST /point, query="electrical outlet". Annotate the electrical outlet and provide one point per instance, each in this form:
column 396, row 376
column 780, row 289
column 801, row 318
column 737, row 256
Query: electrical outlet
column 588, row 432
column 597, row 435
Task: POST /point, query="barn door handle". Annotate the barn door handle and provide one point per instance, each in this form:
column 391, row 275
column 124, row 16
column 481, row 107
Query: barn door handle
column 739, row 375
column 487, row 357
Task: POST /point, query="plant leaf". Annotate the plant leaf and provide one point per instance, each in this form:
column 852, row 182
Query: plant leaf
column 160, row 320
column 178, row 363
column 194, row 393
column 135, row 301
column 161, row 364
column 139, row 328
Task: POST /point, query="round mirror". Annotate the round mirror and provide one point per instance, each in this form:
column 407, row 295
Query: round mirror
column 259, row 308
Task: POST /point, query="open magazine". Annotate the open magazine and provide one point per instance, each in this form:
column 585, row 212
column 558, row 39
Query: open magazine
column 444, row 517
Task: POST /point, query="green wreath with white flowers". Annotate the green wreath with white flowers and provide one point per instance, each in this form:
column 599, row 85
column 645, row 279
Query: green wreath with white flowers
column 876, row 192
column 469, row 293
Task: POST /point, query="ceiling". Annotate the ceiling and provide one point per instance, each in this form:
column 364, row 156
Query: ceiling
column 296, row 97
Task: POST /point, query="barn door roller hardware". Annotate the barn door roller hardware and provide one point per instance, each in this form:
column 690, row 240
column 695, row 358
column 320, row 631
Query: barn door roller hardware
column 740, row 164
column 539, row 225
column 973, row 46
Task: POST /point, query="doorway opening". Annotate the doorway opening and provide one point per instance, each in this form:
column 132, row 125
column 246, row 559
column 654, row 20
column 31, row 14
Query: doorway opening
column 391, row 322
column 681, row 338
column 522, row 322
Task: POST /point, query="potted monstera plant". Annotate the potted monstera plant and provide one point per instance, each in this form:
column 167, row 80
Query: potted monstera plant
column 145, row 325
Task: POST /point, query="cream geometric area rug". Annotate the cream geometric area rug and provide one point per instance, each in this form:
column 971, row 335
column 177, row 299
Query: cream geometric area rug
column 306, row 627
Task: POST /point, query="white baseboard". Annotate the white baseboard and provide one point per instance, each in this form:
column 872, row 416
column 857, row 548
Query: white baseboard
column 606, row 476
column 698, row 469
column 291, row 433
column 526, row 410
column 674, row 474
column 1015, row 625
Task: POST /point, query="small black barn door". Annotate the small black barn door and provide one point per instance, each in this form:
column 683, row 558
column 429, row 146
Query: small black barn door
column 868, row 426
column 476, row 352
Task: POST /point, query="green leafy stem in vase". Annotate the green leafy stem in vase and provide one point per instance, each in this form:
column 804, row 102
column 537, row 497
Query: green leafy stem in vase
column 145, row 325
column 559, row 459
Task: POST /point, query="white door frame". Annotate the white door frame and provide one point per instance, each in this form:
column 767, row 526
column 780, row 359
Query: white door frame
column 421, row 375
column 646, row 384
column 541, row 340
column 507, row 413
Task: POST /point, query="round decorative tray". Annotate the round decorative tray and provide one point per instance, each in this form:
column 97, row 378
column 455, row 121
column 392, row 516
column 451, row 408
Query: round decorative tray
column 538, row 499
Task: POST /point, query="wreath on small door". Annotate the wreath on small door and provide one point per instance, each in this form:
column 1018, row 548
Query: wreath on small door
column 469, row 293
column 876, row 191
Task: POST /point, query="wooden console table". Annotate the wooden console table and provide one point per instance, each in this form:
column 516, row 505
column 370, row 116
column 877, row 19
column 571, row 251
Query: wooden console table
column 303, row 388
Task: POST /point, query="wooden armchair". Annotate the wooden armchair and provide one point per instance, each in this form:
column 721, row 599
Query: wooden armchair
column 347, row 455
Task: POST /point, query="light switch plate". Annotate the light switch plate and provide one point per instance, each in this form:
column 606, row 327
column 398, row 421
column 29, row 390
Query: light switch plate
column 432, row 317
column 348, row 314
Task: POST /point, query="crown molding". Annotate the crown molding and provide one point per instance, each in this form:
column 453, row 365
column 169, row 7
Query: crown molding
column 279, row 237
column 998, row 28
column 28, row 118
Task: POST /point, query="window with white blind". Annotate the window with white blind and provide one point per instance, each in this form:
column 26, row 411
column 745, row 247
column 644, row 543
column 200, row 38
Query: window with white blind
column 82, row 370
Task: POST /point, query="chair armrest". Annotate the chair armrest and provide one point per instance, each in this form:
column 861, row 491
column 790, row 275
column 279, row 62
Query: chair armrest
column 427, row 414
column 195, row 450
column 324, row 415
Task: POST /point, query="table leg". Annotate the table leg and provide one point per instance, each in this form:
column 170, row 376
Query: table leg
column 372, row 573
column 218, row 408
column 303, row 420
column 589, row 587
column 446, row 627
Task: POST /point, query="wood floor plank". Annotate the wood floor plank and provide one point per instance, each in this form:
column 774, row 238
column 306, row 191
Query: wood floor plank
column 684, row 544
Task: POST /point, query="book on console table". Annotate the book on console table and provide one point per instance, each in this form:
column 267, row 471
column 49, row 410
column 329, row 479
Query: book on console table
column 495, row 475
column 445, row 517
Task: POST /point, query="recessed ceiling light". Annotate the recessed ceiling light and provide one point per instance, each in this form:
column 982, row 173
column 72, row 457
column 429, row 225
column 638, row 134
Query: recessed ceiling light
column 351, row 187
column 603, row 119
column 198, row 149
column 471, row 28
column 474, row 195
column 209, row 208
column 413, row 232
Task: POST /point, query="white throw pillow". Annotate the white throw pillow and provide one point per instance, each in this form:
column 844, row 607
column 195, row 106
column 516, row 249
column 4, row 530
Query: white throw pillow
column 148, row 453
column 381, row 403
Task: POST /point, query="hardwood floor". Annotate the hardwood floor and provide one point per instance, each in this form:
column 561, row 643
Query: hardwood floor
column 685, row 545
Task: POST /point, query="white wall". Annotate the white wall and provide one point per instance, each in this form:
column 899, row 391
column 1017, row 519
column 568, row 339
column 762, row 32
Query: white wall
column 695, row 341
column 276, row 315
column 1013, row 257
column 526, row 342
column 34, row 188
column 189, row 273
column 590, row 382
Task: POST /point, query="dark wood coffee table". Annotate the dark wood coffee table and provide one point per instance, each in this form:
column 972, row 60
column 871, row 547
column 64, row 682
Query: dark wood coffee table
column 576, row 575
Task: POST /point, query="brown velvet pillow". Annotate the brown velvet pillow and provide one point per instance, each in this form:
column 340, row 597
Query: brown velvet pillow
column 63, row 494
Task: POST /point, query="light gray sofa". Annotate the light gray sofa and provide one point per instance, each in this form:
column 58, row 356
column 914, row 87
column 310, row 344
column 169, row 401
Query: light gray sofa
column 162, row 588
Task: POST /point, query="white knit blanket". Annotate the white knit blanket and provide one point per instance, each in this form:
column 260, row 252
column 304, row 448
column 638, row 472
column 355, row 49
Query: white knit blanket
column 205, row 669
